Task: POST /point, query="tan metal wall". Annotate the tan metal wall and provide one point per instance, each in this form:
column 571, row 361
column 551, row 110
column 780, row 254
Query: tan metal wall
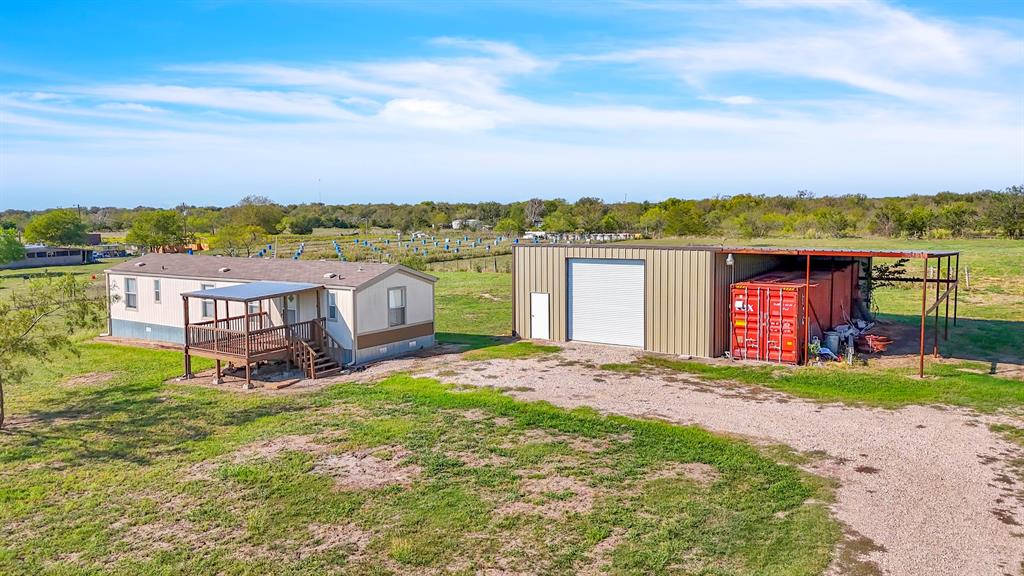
column 746, row 266
column 679, row 294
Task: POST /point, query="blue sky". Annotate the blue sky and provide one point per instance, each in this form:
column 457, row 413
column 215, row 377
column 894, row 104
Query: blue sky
column 157, row 103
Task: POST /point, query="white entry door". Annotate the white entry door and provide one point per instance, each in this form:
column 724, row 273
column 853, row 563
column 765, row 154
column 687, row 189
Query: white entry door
column 606, row 301
column 540, row 319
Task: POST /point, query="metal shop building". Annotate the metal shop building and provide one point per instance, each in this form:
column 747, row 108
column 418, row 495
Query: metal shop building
column 679, row 299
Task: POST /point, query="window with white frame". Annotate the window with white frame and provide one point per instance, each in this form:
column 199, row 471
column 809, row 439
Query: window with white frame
column 207, row 304
column 332, row 306
column 254, row 308
column 396, row 306
column 131, row 293
column 156, row 291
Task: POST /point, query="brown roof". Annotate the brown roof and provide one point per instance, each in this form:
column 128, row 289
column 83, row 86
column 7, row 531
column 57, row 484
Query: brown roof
column 347, row 274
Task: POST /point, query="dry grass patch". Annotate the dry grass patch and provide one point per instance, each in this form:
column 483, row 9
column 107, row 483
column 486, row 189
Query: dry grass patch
column 89, row 379
column 369, row 468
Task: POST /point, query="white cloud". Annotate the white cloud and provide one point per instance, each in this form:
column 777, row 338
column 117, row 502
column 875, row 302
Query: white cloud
column 129, row 107
column 922, row 105
column 437, row 114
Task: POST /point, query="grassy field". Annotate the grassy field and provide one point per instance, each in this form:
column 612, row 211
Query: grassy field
column 109, row 469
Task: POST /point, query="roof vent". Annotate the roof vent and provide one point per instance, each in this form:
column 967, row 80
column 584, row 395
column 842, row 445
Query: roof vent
column 223, row 269
column 140, row 264
column 330, row 275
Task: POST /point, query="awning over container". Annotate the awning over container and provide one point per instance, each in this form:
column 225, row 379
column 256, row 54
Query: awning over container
column 252, row 291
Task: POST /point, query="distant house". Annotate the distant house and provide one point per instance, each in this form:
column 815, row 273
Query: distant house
column 469, row 223
column 363, row 311
column 37, row 256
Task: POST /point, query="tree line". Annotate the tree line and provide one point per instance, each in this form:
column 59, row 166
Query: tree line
column 246, row 226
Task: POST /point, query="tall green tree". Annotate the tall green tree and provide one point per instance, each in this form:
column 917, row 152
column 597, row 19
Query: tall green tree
column 958, row 217
column 1006, row 212
column 157, row 228
column 39, row 321
column 236, row 239
column 256, row 211
column 56, row 227
column 10, row 248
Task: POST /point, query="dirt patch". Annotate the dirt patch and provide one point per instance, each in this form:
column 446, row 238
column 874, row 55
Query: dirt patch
column 475, row 460
column 921, row 494
column 263, row 449
column 553, row 497
column 368, row 468
column 90, row 379
column 322, row 538
column 696, row 472
column 492, row 297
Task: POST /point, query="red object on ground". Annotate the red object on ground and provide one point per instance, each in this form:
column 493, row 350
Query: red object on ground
column 768, row 311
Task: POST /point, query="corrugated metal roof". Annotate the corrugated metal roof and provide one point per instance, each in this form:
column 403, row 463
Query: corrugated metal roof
column 227, row 268
column 773, row 250
column 252, row 291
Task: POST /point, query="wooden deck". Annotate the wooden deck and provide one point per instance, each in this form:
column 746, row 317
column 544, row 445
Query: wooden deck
column 231, row 343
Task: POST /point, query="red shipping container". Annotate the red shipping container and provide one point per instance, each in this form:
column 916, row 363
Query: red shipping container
column 767, row 311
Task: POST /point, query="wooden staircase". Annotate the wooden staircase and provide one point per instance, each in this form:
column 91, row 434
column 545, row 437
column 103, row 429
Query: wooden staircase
column 319, row 356
column 316, row 363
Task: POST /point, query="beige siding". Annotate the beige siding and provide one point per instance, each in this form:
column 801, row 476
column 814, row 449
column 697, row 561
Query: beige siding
column 746, row 266
column 170, row 312
column 678, row 292
column 372, row 302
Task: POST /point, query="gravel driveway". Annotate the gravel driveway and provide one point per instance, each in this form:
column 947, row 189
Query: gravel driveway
column 922, row 490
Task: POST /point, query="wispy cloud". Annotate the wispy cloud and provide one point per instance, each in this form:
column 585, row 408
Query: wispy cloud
column 774, row 96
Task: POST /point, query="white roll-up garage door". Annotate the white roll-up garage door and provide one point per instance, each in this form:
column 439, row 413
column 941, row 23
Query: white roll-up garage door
column 606, row 301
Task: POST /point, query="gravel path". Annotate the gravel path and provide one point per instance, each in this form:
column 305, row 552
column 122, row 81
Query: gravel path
column 922, row 490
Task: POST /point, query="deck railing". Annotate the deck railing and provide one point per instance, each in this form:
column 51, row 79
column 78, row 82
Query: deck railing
column 257, row 321
column 228, row 342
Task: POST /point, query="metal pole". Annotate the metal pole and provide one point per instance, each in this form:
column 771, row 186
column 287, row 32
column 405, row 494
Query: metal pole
column 807, row 312
column 938, row 272
column 924, row 300
column 945, row 336
column 956, row 288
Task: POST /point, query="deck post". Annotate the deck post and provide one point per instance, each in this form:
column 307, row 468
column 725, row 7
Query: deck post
column 248, row 368
column 188, row 358
column 924, row 306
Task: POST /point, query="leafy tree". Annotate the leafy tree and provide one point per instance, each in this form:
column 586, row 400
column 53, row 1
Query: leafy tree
column 302, row 223
column 56, row 227
column 918, row 221
column 509, row 226
column 236, row 238
column 588, row 212
column 439, row 220
column 609, row 223
column 653, row 221
column 559, row 222
column 685, row 219
column 1006, row 212
column 157, row 228
column 833, row 222
column 889, row 219
column 39, row 321
column 256, row 211
column 10, row 248
column 958, row 217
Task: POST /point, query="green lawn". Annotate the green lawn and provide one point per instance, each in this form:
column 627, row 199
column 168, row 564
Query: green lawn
column 121, row 473
column 473, row 308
